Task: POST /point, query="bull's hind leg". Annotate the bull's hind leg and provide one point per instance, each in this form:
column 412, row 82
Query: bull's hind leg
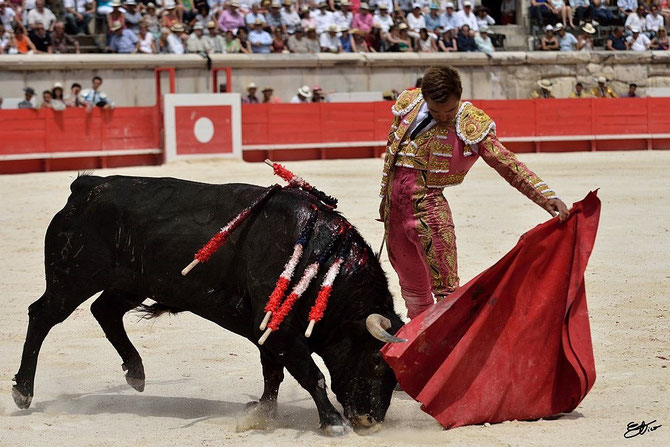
column 109, row 310
column 52, row 308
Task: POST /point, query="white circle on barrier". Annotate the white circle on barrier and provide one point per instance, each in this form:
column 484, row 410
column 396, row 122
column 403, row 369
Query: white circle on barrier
column 203, row 130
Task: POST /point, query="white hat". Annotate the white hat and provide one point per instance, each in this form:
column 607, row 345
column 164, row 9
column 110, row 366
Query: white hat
column 416, row 5
column 334, row 28
column 634, row 29
column 449, row 5
column 384, row 6
column 589, row 29
column 344, row 28
column 115, row 4
column 275, row 4
column 545, row 84
column 558, row 26
column 549, row 28
column 170, row 5
column 467, row 3
column 116, row 26
column 235, row 3
column 602, row 79
column 252, row 85
column 198, row 25
column 131, row 3
column 58, row 85
column 364, row 6
column 304, row 91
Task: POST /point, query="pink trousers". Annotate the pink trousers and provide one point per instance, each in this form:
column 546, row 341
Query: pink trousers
column 421, row 241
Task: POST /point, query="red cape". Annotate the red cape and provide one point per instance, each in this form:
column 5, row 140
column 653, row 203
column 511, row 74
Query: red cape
column 514, row 342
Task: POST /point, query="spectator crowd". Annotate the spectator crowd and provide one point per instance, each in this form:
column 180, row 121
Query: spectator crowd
column 234, row 26
column 599, row 90
column 630, row 25
column 58, row 100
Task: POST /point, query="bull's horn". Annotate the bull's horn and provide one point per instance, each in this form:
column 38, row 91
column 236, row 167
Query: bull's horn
column 377, row 325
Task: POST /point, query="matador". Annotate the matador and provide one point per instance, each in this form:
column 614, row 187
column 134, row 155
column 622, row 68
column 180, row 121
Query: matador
column 434, row 140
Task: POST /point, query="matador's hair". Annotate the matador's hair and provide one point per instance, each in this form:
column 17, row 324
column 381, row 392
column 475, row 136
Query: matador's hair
column 441, row 83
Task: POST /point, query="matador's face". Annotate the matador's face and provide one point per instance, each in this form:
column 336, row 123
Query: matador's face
column 443, row 112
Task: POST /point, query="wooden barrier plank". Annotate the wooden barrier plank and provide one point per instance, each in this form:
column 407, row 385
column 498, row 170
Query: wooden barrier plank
column 22, row 131
column 513, row 118
column 620, row 116
column 563, row 117
column 129, row 128
column 348, row 122
column 294, row 123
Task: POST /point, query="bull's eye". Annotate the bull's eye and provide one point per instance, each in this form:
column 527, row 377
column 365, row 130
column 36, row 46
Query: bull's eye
column 376, row 359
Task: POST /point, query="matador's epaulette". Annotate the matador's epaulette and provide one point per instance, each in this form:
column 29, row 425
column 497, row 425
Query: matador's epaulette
column 472, row 124
column 406, row 101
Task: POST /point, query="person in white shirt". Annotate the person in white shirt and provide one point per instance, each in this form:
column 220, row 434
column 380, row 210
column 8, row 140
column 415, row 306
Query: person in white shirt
column 415, row 21
column 654, row 20
column 344, row 16
column 449, row 19
column 323, row 18
column 43, row 15
column 303, row 96
column 174, row 40
column 329, row 41
column 383, row 19
column 466, row 17
column 7, row 15
column 145, row 41
column 637, row 41
column 289, row 17
column 636, row 20
column 483, row 18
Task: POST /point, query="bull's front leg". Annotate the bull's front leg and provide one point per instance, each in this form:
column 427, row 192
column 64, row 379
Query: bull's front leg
column 299, row 363
column 273, row 375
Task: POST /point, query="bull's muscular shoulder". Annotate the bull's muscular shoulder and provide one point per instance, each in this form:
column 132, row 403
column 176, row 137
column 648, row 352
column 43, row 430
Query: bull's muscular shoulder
column 406, row 101
column 473, row 124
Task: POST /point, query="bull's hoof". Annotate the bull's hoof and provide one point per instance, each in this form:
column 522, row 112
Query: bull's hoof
column 259, row 416
column 336, row 430
column 21, row 399
column 135, row 375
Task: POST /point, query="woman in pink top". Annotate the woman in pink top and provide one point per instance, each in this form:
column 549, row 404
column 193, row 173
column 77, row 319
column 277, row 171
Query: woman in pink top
column 363, row 19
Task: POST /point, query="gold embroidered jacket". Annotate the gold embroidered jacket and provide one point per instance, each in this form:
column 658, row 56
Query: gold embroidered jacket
column 447, row 151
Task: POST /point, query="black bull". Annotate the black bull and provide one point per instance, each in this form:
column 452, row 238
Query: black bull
column 129, row 237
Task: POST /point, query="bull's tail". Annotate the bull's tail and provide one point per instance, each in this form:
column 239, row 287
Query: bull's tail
column 150, row 311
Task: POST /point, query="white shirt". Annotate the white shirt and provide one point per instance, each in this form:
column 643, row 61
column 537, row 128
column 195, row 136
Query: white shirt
column 145, row 44
column 640, row 44
column 470, row 20
column 343, row 19
column 81, row 5
column 290, row 19
column 487, row 20
column 331, row 43
column 8, row 17
column 449, row 21
column 423, row 113
column 415, row 23
column 297, row 100
column 175, row 45
column 384, row 22
column 634, row 21
column 654, row 23
column 323, row 21
column 46, row 17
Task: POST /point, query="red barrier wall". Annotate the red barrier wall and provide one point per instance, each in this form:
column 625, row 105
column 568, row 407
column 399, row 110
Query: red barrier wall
column 34, row 140
column 526, row 125
column 43, row 139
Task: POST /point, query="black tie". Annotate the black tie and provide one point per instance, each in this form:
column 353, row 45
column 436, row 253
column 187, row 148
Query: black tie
column 422, row 125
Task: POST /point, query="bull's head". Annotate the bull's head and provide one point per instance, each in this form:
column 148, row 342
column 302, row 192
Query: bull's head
column 362, row 381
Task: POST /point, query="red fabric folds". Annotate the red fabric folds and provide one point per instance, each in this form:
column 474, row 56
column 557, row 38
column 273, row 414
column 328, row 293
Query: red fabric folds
column 514, row 342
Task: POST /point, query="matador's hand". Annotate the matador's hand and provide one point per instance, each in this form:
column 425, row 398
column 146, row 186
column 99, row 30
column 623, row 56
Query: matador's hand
column 382, row 205
column 557, row 207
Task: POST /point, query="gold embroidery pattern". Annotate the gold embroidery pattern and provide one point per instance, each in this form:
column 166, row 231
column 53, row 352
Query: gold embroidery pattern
column 472, row 124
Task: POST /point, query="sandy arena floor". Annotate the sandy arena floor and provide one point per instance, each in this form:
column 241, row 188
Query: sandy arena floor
column 199, row 376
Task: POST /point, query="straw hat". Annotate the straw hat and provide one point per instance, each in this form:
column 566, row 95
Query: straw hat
column 449, row 5
column 365, row 6
column 588, row 29
column 304, row 91
column 251, row 85
column 235, row 4
column 402, row 26
column 116, row 26
column 333, row 28
column 558, row 27
column 58, row 85
column 211, row 25
column 385, row 7
column 602, row 80
column 545, row 84
column 115, row 4
column 198, row 25
column 177, row 28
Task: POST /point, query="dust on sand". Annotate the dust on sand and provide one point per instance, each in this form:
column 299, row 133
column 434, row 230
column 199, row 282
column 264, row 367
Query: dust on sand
column 199, row 376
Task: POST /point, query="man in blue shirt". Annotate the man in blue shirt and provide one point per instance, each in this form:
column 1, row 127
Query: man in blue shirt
column 465, row 41
column 260, row 40
column 123, row 40
column 566, row 41
column 448, row 19
column 433, row 18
